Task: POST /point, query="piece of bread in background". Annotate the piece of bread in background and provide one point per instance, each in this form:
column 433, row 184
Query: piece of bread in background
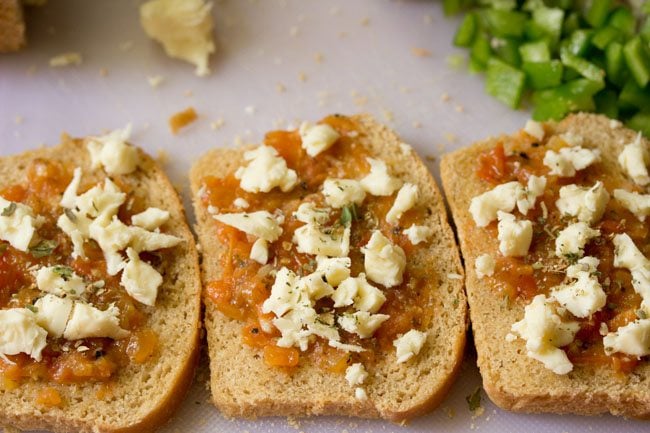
column 12, row 26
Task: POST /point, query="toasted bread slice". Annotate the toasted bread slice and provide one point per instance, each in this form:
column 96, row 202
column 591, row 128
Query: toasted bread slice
column 12, row 26
column 139, row 396
column 243, row 386
column 513, row 380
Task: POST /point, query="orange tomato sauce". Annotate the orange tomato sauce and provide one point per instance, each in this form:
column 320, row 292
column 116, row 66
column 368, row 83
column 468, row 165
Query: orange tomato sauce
column 517, row 158
column 87, row 360
column 244, row 284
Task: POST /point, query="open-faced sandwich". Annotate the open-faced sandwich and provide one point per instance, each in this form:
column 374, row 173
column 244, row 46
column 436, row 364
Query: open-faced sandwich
column 99, row 289
column 332, row 282
column 553, row 230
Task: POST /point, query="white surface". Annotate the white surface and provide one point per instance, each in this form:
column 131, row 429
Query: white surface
column 367, row 65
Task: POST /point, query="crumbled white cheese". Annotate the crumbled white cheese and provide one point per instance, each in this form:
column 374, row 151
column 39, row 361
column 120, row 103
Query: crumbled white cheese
column 345, row 293
column 325, row 241
column 17, row 224
column 384, row 262
column 366, row 297
column 627, row 255
column 241, row 203
column 534, row 129
column 60, row 281
column 342, row 192
column 335, row 269
column 514, row 236
column 291, row 328
column 70, row 194
column 545, row 332
column 379, row 181
column 586, row 203
column 631, row 339
column 183, row 27
column 307, row 212
column 586, row 264
column 409, row 345
column 362, row 323
column 260, row 224
column 484, row 265
column 87, row 321
column 21, row 334
column 113, row 153
column 265, row 171
column 360, row 394
column 634, row 160
column 418, row 234
column 284, row 293
column 582, row 297
column 150, row 219
column 569, row 160
column 356, row 374
column 317, row 138
column 260, row 251
column 52, row 314
column 345, row 347
column 140, row 280
column 406, row 198
column 315, row 286
column 505, row 197
column 572, row 240
column 638, row 204
column 572, row 139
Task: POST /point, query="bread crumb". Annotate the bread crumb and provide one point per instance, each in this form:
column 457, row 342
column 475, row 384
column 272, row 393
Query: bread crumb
column 343, row 35
column 450, row 411
column 405, row 149
column 217, row 124
column 155, row 81
column 18, row 119
column 162, row 157
column 182, row 119
column 293, row 422
column 335, row 10
column 302, row 76
column 250, row 110
column 428, row 19
column 365, row 22
column 126, row 46
column 103, row 72
column 294, row 31
column 417, row 124
column 444, row 97
column 318, row 58
column 66, row 59
column 459, row 108
column 280, row 88
column 237, row 140
column 188, row 93
column 450, row 137
column 420, row 52
column 388, row 115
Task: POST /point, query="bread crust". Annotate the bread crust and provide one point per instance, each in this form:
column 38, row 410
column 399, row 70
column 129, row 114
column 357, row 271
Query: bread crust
column 242, row 386
column 144, row 396
column 12, row 26
column 512, row 380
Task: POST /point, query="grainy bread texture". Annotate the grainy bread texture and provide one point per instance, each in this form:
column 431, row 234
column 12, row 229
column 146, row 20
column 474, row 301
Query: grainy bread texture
column 512, row 379
column 12, row 26
column 243, row 386
column 142, row 397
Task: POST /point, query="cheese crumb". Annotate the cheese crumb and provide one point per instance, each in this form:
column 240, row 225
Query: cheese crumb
column 307, row 212
column 183, row 27
column 140, row 280
column 569, row 160
column 572, row 240
column 384, row 262
column 632, row 339
column 66, row 59
column 505, row 197
column 17, row 224
column 342, row 192
column 20, row 334
column 534, row 129
column 325, row 241
column 634, row 160
column 582, row 297
column 379, row 182
column 638, row 204
column 356, row 374
column 112, row 152
column 418, row 234
column 317, row 138
column 514, row 236
column 586, row 203
column 150, row 219
column 260, row 224
column 409, row 345
column 362, row 323
column 406, row 198
column 484, row 265
column 265, row 171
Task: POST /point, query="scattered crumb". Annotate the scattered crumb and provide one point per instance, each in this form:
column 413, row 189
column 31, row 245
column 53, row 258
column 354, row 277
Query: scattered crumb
column 237, row 140
column 188, row 93
column 404, row 89
column 277, row 60
column 428, row 19
column 217, row 124
column 335, row 10
column 417, row 124
column 450, row 137
column 162, row 157
column 302, row 76
column 318, row 58
column 420, row 52
column 18, row 119
column 155, row 80
column 440, row 147
column 66, row 59
column 293, row 422
column 388, row 115
column 343, row 35
column 450, row 411
column 126, row 45
column 459, row 108
column 405, row 149
column 444, row 97
column 365, row 22
column 478, row 412
column 294, row 31
column 31, row 70
column 103, row 72
column 250, row 110
column 280, row 88
column 182, row 119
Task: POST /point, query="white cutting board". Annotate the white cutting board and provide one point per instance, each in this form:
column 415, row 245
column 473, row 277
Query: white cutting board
column 329, row 56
